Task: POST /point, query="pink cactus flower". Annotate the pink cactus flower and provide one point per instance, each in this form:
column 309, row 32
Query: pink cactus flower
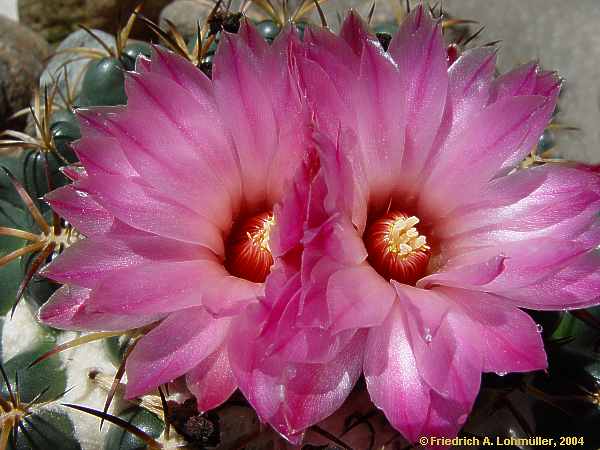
column 177, row 199
column 424, row 237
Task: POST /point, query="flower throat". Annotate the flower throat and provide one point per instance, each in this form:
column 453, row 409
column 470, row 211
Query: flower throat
column 248, row 251
column 396, row 248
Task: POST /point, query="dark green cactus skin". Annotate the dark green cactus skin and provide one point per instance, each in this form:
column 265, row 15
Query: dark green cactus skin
column 10, row 274
column 48, row 374
column 119, row 439
column 39, row 289
column 268, row 30
column 132, row 51
column 33, row 172
column 103, row 84
column 46, row 429
column 13, row 164
column 116, row 347
column 43, row 428
column 301, row 27
column 389, row 27
column 546, row 142
column 64, row 132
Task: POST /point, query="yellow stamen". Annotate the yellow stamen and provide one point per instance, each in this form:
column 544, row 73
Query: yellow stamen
column 261, row 237
column 403, row 238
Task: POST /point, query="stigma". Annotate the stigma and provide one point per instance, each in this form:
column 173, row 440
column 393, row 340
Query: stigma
column 396, row 249
column 248, row 250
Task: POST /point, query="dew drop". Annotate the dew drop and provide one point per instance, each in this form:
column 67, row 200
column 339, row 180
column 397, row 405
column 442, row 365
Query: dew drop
column 291, row 372
column 281, row 392
column 501, row 374
column 81, row 193
column 539, row 328
column 428, row 337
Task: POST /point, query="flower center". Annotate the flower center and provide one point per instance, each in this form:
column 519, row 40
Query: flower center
column 248, row 253
column 396, row 249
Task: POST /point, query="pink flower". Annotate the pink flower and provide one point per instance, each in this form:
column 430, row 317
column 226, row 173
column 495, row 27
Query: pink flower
column 423, row 238
column 176, row 202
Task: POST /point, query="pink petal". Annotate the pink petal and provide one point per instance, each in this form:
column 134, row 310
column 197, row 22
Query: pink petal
column 392, row 376
column 291, row 397
column 418, row 50
column 187, row 146
column 444, row 342
column 519, row 81
column 101, row 154
column 174, row 347
column 574, row 286
column 243, row 99
column 66, row 310
column 80, row 209
column 253, row 39
column 147, row 209
column 342, row 183
column 358, row 297
column 381, row 122
column 325, row 80
column 227, row 295
column 181, row 71
column 325, row 46
column 469, row 80
column 142, row 64
column 291, row 212
column 211, row 381
column 292, row 341
column 92, row 259
column 354, row 32
column 552, row 201
column 471, row 271
column 510, row 339
column 474, row 157
column 155, row 287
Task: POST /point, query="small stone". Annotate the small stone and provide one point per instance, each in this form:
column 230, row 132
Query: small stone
column 55, row 19
column 185, row 15
column 22, row 54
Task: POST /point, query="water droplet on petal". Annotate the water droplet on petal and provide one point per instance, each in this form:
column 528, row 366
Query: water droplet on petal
column 81, row 193
column 539, row 328
column 291, row 372
column 281, row 392
column 428, row 337
column 501, row 374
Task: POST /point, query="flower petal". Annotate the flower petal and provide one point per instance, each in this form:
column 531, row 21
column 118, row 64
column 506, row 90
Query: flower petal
column 211, row 381
column 358, row 297
column 510, row 339
column 148, row 209
column 66, row 310
column 392, row 376
column 174, row 347
column 291, row 397
column 474, row 157
column 88, row 261
column 418, row 50
column 156, row 287
column 80, row 209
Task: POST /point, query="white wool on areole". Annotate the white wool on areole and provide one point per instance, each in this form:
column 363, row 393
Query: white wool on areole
column 22, row 332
